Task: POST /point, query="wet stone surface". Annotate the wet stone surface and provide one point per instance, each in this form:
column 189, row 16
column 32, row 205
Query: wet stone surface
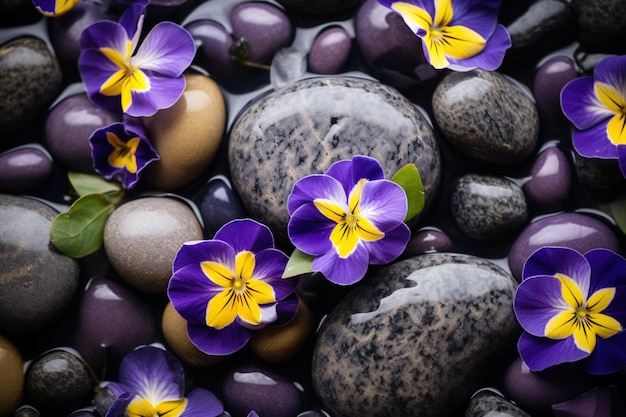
column 455, row 311
column 487, row 403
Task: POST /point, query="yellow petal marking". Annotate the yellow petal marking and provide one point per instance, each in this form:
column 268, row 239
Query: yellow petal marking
column 141, row 407
column 123, row 155
column 616, row 103
column 582, row 319
column 242, row 294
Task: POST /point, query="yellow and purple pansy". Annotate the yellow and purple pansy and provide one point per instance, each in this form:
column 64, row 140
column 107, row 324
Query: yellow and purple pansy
column 572, row 308
column 120, row 74
column 151, row 383
column 53, row 8
column 348, row 218
column 120, row 151
column 230, row 285
column 457, row 34
column 596, row 106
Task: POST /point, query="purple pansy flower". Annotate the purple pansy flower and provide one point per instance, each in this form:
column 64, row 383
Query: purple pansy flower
column 118, row 73
column 596, row 106
column 121, row 151
column 457, row 34
column 572, row 307
column 152, row 382
column 53, row 8
column 347, row 219
column 231, row 285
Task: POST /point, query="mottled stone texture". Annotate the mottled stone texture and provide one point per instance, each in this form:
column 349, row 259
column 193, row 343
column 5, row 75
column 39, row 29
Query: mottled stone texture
column 486, row 403
column 602, row 24
column 486, row 116
column 303, row 129
column 415, row 339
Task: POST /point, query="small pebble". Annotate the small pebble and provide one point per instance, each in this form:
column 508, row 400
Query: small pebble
column 550, row 78
column 329, row 51
column 490, row 403
column 11, row 377
column 550, row 180
column 25, row 169
column 428, row 240
column 219, row 204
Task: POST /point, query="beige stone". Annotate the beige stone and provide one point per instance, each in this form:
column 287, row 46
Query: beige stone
column 11, row 377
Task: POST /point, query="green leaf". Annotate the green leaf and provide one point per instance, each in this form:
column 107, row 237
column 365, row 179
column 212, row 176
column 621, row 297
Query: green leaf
column 299, row 263
column 618, row 211
column 85, row 184
column 409, row 179
column 80, row 231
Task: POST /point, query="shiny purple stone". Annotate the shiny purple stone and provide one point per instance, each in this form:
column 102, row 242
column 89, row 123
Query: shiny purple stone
column 428, row 241
column 550, row 79
column 219, row 204
column 24, row 169
column 550, row 179
column 330, row 50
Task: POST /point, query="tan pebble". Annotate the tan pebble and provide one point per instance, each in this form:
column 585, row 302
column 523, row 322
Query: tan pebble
column 281, row 343
column 175, row 333
column 11, row 377
column 187, row 135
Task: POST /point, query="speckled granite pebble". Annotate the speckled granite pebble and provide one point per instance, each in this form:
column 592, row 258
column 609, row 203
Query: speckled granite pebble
column 602, row 24
column 37, row 283
column 30, row 78
column 303, row 129
column 488, row 208
column 413, row 339
column 486, row 116
column 487, row 403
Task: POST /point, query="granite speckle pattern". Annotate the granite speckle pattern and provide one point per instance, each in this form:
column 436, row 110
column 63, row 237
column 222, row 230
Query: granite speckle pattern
column 486, row 116
column 305, row 128
column 602, row 24
column 413, row 339
column 488, row 208
column 487, row 403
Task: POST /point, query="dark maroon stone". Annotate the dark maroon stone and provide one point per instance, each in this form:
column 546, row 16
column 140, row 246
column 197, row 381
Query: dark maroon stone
column 550, row 179
column 24, row 169
column 427, row 241
column 330, row 50
column 219, row 204
column 550, row 78
column 319, row 7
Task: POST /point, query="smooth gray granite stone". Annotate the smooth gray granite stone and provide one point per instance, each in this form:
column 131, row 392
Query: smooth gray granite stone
column 488, row 208
column 304, row 128
column 486, row 116
column 415, row 339
column 487, row 403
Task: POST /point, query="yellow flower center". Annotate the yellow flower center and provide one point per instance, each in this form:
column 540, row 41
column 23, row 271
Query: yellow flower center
column 125, row 80
column 141, row 407
column 351, row 226
column 123, row 155
column 582, row 318
column 616, row 103
column 441, row 40
column 242, row 294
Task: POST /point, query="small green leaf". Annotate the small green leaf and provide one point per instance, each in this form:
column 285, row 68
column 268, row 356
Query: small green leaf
column 80, row 231
column 618, row 211
column 85, row 184
column 299, row 263
column 409, row 179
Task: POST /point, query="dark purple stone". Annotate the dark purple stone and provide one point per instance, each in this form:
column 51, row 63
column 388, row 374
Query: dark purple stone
column 112, row 321
column 330, row 50
column 68, row 128
column 250, row 387
column 573, row 230
column 428, row 241
column 319, row 7
column 24, row 169
column 550, row 179
column 603, row 401
column 219, row 204
column 535, row 392
column 550, row 78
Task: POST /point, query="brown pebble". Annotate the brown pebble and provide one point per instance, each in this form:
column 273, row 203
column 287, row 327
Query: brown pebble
column 11, row 377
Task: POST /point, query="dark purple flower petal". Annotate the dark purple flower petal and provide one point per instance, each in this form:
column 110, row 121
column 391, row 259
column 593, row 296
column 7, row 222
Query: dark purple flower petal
column 594, row 142
column 54, row 8
column 218, row 342
column 309, row 230
column 540, row 353
column 246, row 235
column 386, row 250
column 608, row 357
column 537, row 300
column 608, row 269
column 580, row 104
column 205, row 250
column 270, row 266
column 311, row 187
column 343, row 271
column 132, row 18
column 612, row 71
column 489, row 58
column 349, row 172
column 202, row 403
column 168, row 50
column 559, row 260
column 287, row 309
column 383, row 203
column 479, row 15
column 123, row 398
column 164, row 93
column 602, row 401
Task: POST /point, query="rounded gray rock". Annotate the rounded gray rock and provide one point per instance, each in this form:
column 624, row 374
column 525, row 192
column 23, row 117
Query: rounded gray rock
column 414, row 339
column 487, row 402
column 486, row 116
column 304, row 128
column 488, row 208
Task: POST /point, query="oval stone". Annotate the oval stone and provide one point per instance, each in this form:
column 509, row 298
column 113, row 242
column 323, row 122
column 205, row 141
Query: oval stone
column 11, row 377
column 187, row 135
column 550, row 179
column 37, row 283
column 329, row 51
column 142, row 237
column 486, row 403
column 218, row 204
column 30, row 78
column 573, row 230
column 428, row 240
column 304, row 128
column 601, row 25
column 319, row 7
column 486, row 116
column 24, row 169
column 550, row 78
column 414, row 339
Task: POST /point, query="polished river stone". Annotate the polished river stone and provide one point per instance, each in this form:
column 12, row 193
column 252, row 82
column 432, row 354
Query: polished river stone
column 415, row 339
column 303, row 129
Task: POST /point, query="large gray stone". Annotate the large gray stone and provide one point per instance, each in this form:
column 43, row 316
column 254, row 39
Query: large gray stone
column 303, row 129
column 415, row 339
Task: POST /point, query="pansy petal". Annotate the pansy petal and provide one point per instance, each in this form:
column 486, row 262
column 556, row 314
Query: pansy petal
column 617, row 308
column 608, row 269
column 309, row 230
column 612, row 71
column 312, row 187
column 260, row 292
column 287, row 309
column 349, row 172
column 270, row 267
column 490, row 58
column 540, row 353
column 190, row 291
column 131, row 19
column 383, row 203
column 537, row 300
column 152, row 372
column 386, row 250
column 580, row 104
column 480, row 16
column 559, row 260
column 608, row 357
column 163, row 93
column 223, row 308
column 195, row 252
column 218, row 342
column 594, row 142
column 203, row 403
column 343, row 271
column 54, row 8
column 246, row 235
column 167, row 50
column 118, row 408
